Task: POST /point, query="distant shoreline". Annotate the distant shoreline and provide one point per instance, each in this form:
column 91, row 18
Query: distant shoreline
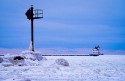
column 62, row 51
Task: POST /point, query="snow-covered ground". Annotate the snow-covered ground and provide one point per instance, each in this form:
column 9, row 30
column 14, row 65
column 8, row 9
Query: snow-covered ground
column 81, row 68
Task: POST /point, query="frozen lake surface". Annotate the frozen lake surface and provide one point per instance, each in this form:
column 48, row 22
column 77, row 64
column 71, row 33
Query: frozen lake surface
column 81, row 68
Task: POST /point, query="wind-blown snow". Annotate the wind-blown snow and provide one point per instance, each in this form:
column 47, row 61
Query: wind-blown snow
column 81, row 68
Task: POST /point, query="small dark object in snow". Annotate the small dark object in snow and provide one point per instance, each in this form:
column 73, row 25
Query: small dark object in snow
column 62, row 62
column 18, row 58
column 1, row 60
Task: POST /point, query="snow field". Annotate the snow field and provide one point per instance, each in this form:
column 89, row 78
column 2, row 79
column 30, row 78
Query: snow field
column 81, row 68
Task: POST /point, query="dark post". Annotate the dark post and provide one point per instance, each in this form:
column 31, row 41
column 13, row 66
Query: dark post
column 32, row 29
column 31, row 16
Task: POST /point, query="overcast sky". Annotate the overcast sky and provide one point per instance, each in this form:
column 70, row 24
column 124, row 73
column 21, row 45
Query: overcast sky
column 66, row 24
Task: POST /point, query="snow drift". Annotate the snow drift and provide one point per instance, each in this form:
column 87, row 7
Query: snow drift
column 62, row 62
column 82, row 68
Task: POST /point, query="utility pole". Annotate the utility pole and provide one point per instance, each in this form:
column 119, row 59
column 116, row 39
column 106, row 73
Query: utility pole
column 31, row 15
